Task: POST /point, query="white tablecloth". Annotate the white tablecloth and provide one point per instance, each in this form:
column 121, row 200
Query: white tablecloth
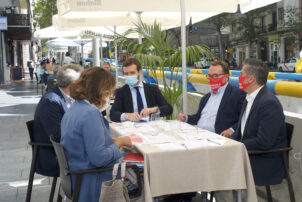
column 194, row 160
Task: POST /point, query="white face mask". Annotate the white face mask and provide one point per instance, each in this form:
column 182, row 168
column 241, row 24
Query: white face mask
column 107, row 104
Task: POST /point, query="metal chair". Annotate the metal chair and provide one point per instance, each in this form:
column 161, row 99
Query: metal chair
column 285, row 155
column 65, row 175
column 35, row 146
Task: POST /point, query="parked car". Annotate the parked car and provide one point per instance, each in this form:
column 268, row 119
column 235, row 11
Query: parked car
column 203, row 63
column 288, row 65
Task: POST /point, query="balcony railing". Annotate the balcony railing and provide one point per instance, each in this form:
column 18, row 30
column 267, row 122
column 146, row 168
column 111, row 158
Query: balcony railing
column 20, row 20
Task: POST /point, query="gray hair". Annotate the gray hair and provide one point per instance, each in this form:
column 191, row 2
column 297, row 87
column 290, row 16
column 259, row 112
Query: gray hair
column 68, row 74
column 258, row 69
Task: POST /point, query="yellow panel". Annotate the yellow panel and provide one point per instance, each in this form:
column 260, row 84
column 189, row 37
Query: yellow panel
column 289, row 88
column 198, row 78
column 196, row 71
column 271, row 75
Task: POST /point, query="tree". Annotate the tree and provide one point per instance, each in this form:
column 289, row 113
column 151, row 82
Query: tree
column 293, row 23
column 248, row 26
column 156, row 51
column 220, row 21
column 43, row 12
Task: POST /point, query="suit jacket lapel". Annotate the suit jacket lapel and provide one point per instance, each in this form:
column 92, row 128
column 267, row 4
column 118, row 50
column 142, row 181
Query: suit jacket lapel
column 240, row 117
column 63, row 101
column 128, row 98
column 147, row 95
column 225, row 96
column 255, row 103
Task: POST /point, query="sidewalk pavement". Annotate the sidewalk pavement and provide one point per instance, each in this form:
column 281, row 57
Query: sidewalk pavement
column 17, row 105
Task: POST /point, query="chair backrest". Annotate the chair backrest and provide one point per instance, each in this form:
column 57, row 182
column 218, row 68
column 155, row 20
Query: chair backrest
column 30, row 128
column 64, row 168
column 289, row 133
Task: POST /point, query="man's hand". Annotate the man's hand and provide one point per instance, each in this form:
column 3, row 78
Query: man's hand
column 147, row 111
column 227, row 133
column 132, row 117
column 122, row 141
column 181, row 117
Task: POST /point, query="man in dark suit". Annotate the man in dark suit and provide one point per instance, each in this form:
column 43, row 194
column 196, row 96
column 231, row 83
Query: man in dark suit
column 218, row 110
column 136, row 100
column 261, row 124
column 48, row 116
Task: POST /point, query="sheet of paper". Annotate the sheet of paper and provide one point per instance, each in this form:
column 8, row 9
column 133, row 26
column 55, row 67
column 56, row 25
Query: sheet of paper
column 198, row 144
column 171, row 146
column 158, row 139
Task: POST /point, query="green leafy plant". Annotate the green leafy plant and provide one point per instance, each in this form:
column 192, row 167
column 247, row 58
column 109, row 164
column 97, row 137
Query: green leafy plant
column 156, row 52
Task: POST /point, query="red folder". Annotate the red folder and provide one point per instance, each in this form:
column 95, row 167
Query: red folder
column 134, row 157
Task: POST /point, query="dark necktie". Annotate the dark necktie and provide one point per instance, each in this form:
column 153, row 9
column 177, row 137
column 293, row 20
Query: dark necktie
column 139, row 100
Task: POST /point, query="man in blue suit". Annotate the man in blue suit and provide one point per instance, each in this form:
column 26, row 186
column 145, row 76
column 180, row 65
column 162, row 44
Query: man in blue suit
column 261, row 124
column 218, row 110
column 48, row 116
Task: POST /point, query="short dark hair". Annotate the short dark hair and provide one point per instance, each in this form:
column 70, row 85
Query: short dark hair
column 257, row 68
column 106, row 63
column 94, row 85
column 224, row 65
column 133, row 61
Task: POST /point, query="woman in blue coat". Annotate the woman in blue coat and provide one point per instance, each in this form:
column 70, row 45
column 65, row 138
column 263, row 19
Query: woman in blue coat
column 85, row 132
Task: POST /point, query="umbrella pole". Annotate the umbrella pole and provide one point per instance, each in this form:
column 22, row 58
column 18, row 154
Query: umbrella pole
column 183, row 51
column 101, row 45
column 116, row 63
column 139, row 19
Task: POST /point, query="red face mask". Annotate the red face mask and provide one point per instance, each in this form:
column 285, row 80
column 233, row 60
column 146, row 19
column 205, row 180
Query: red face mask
column 243, row 85
column 216, row 83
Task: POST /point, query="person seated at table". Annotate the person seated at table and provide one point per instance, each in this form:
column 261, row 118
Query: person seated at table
column 262, row 124
column 85, row 132
column 48, row 116
column 136, row 100
column 218, row 110
column 106, row 66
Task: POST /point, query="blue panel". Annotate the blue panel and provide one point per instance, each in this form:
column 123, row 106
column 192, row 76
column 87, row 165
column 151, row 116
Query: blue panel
column 271, row 85
column 289, row 76
column 204, row 71
column 236, row 73
column 234, row 81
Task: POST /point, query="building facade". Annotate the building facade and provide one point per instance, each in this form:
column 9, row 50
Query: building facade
column 16, row 39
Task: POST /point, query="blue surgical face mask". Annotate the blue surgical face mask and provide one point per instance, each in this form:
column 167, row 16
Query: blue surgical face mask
column 131, row 80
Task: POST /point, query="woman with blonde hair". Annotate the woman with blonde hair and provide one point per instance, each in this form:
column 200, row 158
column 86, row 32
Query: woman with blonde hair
column 85, row 132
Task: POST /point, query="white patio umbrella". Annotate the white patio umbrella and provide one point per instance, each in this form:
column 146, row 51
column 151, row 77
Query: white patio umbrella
column 52, row 32
column 60, row 42
column 65, row 7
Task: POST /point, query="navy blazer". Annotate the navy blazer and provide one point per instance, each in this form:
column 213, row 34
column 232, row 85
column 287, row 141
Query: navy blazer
column 123, row 101
column 47, row 121
column 265, row 129
column 228, row 111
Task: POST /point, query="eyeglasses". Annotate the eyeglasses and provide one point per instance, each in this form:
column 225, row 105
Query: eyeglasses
column 214, row 75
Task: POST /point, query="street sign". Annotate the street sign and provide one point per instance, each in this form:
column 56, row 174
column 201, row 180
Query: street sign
column 3, row 23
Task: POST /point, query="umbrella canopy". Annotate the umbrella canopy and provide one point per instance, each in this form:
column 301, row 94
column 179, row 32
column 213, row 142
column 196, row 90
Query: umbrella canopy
column 104, row 18
column 65, row 6
column 52, row 32
column 60, row 43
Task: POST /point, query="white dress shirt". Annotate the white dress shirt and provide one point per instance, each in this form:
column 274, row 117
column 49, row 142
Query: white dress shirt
column 250, row 100
column 134, row 99
column 69, row 100
column 209, row 113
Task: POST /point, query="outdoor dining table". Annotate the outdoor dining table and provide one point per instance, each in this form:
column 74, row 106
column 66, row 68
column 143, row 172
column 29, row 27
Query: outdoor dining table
column 180, row 158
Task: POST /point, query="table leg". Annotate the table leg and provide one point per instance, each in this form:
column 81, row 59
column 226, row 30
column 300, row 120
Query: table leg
column 239, row 195
column 204, row 196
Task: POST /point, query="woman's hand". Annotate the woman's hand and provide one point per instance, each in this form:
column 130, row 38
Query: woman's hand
column 122, row 141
